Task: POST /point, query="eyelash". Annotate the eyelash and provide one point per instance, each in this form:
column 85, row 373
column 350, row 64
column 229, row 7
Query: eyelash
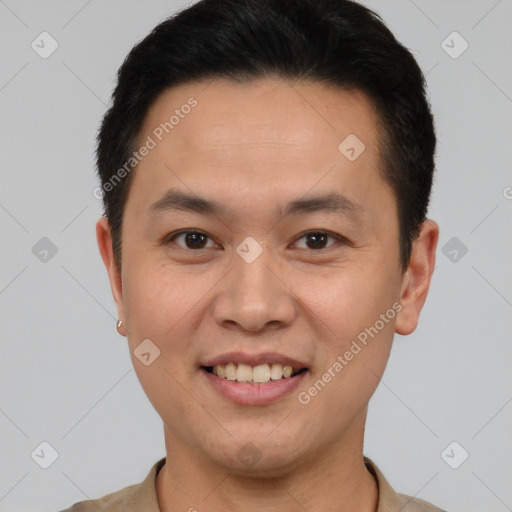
column 171, row 238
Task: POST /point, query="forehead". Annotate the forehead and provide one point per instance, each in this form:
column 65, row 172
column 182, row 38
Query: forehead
column 270, row 112
column 265, row 135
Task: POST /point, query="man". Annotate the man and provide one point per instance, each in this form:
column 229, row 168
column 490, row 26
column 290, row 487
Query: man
column 266, row 169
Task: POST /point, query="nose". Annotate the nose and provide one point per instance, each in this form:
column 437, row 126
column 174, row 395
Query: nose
column 255, row 296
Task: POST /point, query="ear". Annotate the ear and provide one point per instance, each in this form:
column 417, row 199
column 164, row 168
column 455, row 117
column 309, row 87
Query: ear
column 104, row 238
column 416, row 280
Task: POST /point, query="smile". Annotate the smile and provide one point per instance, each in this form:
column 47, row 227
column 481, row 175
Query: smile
column 247, row 391
column 259, row 374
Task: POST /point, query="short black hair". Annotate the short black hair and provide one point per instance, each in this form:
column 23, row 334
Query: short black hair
column 336, row 42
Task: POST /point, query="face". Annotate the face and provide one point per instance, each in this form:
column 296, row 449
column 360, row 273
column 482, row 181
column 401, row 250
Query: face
column 286, row 252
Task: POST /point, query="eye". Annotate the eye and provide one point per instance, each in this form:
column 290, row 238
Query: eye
column 316, row 240
column 191, row 239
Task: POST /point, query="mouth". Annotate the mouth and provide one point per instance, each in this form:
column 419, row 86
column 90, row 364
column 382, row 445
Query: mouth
column 254, row 375
column 253, row 379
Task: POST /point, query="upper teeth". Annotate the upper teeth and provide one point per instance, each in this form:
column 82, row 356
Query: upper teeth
column 247, row 373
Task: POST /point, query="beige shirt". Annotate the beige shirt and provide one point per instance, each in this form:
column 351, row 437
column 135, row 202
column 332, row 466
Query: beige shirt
column 141, row 497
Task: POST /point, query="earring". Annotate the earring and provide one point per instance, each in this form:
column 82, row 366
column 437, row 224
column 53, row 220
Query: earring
column 119, row 324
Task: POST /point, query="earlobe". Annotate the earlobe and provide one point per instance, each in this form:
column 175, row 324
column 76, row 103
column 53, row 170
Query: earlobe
column 104, row 239
column 416, row 280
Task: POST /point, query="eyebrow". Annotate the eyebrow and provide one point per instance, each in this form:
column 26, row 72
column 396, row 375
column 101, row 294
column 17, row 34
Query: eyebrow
column 175, row 199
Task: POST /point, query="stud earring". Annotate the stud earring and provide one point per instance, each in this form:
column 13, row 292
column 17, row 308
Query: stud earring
column 119, row 324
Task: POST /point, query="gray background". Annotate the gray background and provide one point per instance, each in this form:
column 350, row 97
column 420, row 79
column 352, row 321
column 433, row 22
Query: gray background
column 66, row 375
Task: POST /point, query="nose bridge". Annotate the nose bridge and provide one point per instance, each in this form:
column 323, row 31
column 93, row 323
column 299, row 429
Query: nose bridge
column 253, row 296
column 252, row 270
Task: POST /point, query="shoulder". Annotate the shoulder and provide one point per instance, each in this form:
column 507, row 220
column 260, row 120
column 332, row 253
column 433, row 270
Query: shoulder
column 141, row 496
column 114, row 502
column 410, row 504
column 392, row 501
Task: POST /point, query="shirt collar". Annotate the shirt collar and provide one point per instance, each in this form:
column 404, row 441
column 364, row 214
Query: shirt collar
column 143, row 495
column 388, row 498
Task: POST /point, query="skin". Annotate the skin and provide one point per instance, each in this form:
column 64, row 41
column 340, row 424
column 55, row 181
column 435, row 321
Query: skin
column 254, row 147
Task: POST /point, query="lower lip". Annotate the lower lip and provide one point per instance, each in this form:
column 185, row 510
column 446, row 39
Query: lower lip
column 254, row 394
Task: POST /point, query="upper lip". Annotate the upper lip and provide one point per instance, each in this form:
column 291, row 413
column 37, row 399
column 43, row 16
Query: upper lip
column 254, row 359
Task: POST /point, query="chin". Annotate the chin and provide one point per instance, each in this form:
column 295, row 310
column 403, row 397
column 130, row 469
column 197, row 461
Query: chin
column 258, row 458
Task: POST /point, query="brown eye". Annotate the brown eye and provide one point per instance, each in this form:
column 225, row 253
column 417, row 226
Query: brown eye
column 191, row 239
column 316, row 240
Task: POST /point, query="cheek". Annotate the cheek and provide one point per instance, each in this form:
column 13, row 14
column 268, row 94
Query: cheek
column 355, row 318
column 349, row 373
column 156, row 305
column 347, row 302
column 156, row 309
column 155, row 299
column 162, row 385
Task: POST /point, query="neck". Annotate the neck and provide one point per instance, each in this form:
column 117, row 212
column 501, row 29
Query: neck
column 333, row 479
